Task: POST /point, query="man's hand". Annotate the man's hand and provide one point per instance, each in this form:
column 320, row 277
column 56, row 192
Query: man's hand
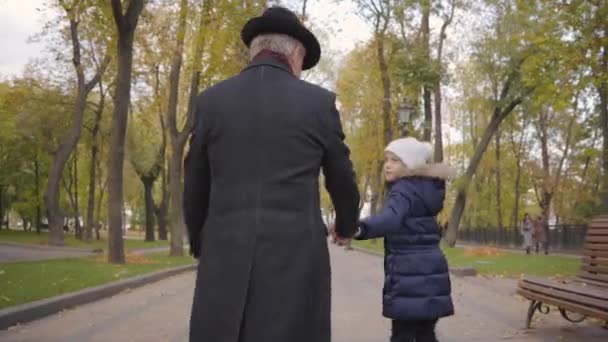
column 340, row 241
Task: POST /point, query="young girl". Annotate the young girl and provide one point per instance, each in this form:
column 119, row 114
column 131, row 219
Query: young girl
column 417, row 284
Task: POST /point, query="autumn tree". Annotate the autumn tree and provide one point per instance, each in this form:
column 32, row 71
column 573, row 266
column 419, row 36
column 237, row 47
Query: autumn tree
column 126, row 22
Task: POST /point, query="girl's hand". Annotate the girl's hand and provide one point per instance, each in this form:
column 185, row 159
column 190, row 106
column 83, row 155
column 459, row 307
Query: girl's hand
column 359, row 235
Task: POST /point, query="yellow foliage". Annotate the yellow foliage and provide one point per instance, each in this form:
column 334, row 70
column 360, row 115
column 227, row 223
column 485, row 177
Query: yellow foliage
column 130, row 258
column 482, row 251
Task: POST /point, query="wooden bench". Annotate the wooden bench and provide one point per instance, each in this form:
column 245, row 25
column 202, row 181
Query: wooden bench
column 587, row 294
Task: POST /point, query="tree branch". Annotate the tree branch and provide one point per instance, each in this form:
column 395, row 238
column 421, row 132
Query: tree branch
column 117, row 12
column 560, row 166
column 98, row 74
column 133, row 11
column 444, row 27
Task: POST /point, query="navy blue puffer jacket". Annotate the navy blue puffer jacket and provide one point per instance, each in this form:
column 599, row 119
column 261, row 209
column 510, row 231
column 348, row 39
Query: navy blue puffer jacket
column 417, row 283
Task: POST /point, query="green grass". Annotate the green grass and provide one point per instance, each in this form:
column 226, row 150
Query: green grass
column 23, row 282
column 509, row 264
column 30, row 237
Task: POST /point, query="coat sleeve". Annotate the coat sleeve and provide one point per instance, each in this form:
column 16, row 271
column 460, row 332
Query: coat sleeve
column 340, row 180
column 197, row 184
column 390, row 220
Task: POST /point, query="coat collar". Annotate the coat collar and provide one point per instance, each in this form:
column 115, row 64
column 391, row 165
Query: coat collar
column 437, row 171
column 268, row 61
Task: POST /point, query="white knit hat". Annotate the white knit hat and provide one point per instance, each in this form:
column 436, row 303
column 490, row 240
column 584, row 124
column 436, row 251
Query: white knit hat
column 413, row 153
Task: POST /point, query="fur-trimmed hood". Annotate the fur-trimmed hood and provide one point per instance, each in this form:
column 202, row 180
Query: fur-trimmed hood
column 437, row 171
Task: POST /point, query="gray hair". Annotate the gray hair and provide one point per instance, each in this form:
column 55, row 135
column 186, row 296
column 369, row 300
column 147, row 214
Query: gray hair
column 276, row 42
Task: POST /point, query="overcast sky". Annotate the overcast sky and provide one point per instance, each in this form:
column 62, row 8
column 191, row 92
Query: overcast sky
column 19, row 20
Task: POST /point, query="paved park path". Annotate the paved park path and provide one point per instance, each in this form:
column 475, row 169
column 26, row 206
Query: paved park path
column 487, row 310
column 11, row 252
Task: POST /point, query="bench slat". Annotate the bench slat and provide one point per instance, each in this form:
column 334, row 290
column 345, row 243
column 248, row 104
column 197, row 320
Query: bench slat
column 596, row 246
column 599, row 284
column 598, row 270
column 595, row 261
column 563, row 304
column 597, row 231
column 573, row 287
column 596, row 277
column 592, row 253
column 601, row 304
column 600, row 218
column 597, row 239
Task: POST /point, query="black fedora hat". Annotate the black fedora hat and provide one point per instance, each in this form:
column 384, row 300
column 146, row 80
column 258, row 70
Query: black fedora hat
column 281, row 20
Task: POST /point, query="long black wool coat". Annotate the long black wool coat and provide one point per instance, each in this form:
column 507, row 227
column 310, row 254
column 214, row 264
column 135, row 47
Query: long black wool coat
column 252, row 207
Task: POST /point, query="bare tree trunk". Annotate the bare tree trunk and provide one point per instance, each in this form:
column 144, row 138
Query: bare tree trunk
column 148, row 183
column 588, row 158
column 77, row 225
column 51, row 197
column 546, row 191
column 37, row 194
column 378, row 191
column 438, row 153
column 428, row 111
column 2, row 189
column 518, row 151
column 304, row 2
column 62, row 154
column 499, row 115
column 602, row 90
column 364, row 192
column 177, row 139
column 517, row 195
column 550, row 183
column 438, row 150
column 90, row 224
column 68, row 186
column 102, row 191
column 126, row 24
column 161, row 210
column 376, row 184
column 386, row 87
column 176, row 215
column 498, row 182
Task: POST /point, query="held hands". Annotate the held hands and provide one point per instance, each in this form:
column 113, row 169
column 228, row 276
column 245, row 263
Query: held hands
column 342, row 241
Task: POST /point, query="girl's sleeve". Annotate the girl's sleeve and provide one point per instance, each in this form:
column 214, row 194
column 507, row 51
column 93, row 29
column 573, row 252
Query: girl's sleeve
column 390, row 220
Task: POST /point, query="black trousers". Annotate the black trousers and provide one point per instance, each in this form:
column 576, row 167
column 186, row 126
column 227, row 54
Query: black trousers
column 414, row 331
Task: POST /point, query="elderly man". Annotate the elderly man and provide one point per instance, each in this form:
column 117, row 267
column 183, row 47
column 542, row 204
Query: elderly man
column 251, row 194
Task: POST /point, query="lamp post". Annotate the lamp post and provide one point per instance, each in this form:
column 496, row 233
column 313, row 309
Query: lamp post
column 404, row 111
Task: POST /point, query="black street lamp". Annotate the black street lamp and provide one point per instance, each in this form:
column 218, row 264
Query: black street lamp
column 405, row 112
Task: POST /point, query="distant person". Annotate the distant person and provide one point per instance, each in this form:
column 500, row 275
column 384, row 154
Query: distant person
column 527, row 230
column 540, row 234
column 417, row 288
